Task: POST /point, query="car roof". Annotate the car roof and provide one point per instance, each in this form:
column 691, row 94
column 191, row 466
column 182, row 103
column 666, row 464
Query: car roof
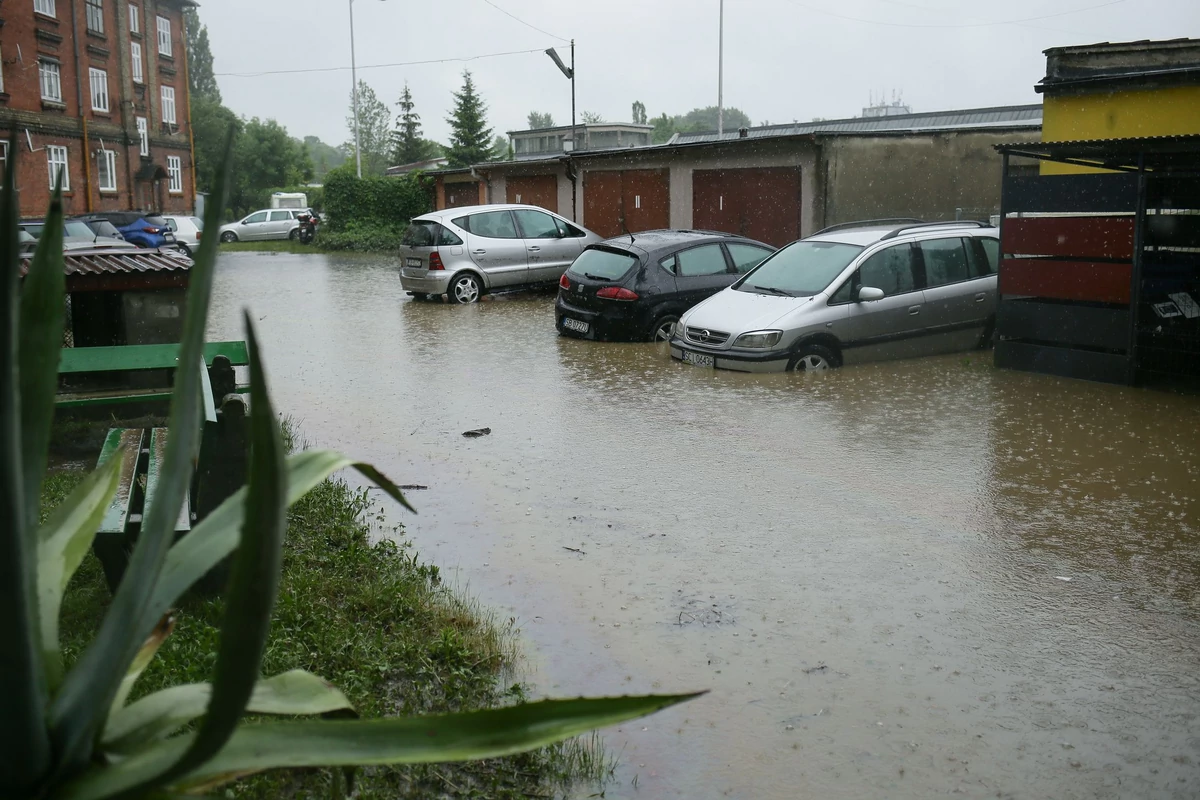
column 462, row 211
column 657, row 241
column 869, row 233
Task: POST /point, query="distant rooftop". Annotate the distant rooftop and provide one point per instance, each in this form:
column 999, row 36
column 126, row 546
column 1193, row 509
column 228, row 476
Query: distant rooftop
column 427, row 164
column 1029, row 116
column 1104, row 64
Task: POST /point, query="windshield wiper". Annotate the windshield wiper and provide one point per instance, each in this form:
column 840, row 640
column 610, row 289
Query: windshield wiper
column 773, row 290
column 597, row 277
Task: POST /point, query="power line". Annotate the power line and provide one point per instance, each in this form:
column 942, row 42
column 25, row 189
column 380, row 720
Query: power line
column 956, row 25
column 523, row 22
column 374, row 66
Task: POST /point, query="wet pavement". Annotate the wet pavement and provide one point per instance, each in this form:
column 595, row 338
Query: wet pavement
column 900, row 580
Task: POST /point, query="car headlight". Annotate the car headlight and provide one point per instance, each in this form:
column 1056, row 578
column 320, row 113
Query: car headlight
column 759, row 339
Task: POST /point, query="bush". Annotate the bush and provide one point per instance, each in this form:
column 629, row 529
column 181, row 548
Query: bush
column 360, row 237
column 373, row 204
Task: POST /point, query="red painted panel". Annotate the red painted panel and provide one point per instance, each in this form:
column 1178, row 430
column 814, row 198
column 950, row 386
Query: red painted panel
column 1066, row 280
column 1069, row 237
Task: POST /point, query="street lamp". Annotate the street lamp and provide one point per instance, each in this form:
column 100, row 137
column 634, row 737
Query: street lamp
column 354, row 93
column 721, row 71
column 570, row 73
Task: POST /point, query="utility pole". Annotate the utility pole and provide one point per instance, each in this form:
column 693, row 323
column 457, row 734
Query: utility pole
column 569, row 72
column 354, row 79
column 721, row 70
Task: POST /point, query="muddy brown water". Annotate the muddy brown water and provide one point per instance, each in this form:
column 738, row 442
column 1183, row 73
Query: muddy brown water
column 898, row 580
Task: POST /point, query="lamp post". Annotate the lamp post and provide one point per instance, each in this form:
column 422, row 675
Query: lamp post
column 570, row 73
column 354, row 93
column 721, row 71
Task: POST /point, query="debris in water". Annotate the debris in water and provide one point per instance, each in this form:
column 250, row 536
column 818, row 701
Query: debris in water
column 1061, row 578
column 576, row 550
column 817, row 668
column 475, row 434
column 412, row 487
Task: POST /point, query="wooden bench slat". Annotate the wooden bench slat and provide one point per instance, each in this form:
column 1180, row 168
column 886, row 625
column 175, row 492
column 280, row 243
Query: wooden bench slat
column 158, row 450
column 143, row 356
column 126, row 444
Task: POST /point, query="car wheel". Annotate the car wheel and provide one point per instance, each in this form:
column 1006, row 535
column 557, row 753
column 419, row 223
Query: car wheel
column 664, row 328
column 812, row 358
column 228, row 236
column 294, row 234
column 183, row 248
column 465, row 289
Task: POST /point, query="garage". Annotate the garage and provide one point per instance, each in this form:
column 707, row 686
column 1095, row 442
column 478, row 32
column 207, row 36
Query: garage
column 759, row 203
column 621, row 201
column 462, row 194
column 534, row 190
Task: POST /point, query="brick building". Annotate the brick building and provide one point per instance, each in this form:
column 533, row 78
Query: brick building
column 98, row 88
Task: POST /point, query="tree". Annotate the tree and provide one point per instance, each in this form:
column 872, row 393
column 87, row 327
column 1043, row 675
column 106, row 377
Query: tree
column 210, row 123
column 705, row 119
column 201, row 80
column 324, row 157
column 470, row 136
column 664, row 129
column 538, row 120
column 407, row 144
column 591, row 117
column 265, row 158
column 501, row 150
column 639, row 113
column 374, row 130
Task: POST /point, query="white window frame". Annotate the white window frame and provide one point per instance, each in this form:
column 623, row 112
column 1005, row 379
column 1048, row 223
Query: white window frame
column 3, row 162
column 50, row 77
column 135, row 19
column 175, row 175
column 58, row 158
column 106, row 167
column 168, row 101
column 164, row 36
column 135, row 54
column 143, row 129
column 45, row 7
column 93, row 11
column 98, row 80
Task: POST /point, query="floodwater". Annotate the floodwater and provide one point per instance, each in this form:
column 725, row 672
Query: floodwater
column 900, row 580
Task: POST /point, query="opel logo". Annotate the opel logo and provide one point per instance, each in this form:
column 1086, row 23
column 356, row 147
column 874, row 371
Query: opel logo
column 706, row 334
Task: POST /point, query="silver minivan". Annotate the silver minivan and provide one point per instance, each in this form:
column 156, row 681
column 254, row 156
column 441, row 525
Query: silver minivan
column 851, row 293
column 468, row 251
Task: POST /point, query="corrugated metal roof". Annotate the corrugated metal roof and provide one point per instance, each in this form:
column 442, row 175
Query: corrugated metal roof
column 110, row 262
column 1029, row 116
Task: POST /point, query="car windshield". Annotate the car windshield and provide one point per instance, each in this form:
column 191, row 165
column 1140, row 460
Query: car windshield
column 801, row 269
column 602, row 264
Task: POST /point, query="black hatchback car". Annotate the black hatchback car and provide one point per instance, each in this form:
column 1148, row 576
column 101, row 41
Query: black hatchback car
column 637, row 286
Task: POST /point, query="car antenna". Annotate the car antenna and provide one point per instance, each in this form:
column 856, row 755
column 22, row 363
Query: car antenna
column 625, row 228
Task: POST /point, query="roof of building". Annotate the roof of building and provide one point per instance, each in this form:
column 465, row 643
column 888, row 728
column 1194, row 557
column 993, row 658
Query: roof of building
column 1156, row 153
column 1027, row 116
column 424, row 164
column 582, row 126
column 92, row 261
column 1145, row 62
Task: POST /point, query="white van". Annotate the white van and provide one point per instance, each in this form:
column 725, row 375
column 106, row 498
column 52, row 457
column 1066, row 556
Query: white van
column 289, row 200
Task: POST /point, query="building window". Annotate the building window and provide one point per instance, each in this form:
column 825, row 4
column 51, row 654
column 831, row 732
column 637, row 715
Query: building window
column 51, row 78
column 106, row 170
column 3, row 162
column 135, row 51
column 164, row 36
column 95, row 16
column 175, row 174
column 56, row 159
column 135, row 23
column 143, row 136
column 44, row 7
column 99, row 80
column 168, row 105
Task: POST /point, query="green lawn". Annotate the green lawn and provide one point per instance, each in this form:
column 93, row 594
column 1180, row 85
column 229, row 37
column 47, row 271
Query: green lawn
column 271, row 246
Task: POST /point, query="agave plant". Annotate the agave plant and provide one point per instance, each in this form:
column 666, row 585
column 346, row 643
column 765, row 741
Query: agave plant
column 74, row 734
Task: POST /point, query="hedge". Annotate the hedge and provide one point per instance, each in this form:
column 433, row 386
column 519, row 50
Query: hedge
column 372, row 204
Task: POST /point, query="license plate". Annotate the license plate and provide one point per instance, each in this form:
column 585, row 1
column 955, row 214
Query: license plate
column 698, row 359
column 413, row 262
column 575, row 325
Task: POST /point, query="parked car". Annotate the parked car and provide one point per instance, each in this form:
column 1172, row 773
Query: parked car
column 851, row 293
column 269, row 223
column 187, row 231
column 76, row 233
column 144, row 229
column 102, row 228
column 469, row 251
column 638, row 286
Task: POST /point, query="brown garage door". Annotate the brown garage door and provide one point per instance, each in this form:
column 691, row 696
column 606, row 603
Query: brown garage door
column 616, row 202
column 761, row 203
column 534, row 190
column 462, row 194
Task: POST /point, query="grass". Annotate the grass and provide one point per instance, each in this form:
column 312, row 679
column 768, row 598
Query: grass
column 376, row 622
column 270, row 246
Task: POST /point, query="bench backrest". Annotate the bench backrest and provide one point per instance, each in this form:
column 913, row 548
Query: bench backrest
column 74, row 360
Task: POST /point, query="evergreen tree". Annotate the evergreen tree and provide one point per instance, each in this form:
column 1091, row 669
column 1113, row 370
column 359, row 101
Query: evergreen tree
column 407, row 144
column 538, row 120
column 201, row 81
column 470, row 137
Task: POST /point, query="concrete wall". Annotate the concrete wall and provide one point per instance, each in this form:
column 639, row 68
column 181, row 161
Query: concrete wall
column 926, row 175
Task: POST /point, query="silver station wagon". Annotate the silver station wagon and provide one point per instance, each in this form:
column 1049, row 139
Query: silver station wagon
column 466, row 252
column 851, row 293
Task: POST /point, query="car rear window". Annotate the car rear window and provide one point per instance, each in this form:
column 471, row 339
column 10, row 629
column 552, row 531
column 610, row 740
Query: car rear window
column 156, row 221
column 602, row 264
column 78, row 229
column 199, row 223
column 426, row 233
column 801, row 269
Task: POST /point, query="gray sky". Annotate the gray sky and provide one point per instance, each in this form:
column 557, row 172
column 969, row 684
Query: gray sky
column 784, row 59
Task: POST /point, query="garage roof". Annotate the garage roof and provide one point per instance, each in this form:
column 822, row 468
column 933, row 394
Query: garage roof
column 1157, row 153
column 111, row 261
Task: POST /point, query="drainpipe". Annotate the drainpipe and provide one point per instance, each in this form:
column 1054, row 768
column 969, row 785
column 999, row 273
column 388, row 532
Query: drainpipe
column 187, row 84
column 87, row 164
column 573, row 176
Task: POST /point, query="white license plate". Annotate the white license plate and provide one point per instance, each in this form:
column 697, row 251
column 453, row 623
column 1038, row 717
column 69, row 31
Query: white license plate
column 575, row 325
column 413, row 262
column 698, row 359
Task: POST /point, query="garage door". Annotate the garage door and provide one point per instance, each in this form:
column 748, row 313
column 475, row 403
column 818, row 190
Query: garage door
column 762, row 204
column 616, row 202
column 462, row 194
column 534, row 190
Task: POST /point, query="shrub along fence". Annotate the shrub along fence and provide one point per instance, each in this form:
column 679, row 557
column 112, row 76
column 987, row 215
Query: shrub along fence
column 370, row 213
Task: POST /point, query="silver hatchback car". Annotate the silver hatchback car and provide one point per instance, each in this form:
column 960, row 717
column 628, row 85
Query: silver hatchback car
column 469, row 251
column 856, row 292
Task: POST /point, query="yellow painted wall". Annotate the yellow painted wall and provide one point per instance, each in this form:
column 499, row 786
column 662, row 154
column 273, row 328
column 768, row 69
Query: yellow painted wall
column 1118, row 115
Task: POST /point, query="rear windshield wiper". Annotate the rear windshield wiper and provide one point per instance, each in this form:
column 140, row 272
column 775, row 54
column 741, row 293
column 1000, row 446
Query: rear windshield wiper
column 597, row 277
column 773, row 290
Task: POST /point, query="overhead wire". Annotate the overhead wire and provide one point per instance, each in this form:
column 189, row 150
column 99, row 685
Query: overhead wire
column 375, row 66
column 523, row 22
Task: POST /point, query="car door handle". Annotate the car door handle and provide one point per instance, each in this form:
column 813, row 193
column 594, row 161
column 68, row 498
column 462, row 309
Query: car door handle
column 979, row 298
column 914, row 310
column 534, row 249
column 479, row 252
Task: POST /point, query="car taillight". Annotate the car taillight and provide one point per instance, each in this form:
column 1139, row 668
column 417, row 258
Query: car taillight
column 564, row 282
column 435, row 261
column 616, row 293
column 198, row 235
column 150, row 230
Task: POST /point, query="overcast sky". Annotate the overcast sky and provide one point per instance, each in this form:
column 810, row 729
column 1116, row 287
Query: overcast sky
column 784, row 59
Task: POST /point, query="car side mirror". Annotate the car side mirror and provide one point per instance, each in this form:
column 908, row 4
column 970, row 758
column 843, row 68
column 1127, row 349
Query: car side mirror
column 868, row 293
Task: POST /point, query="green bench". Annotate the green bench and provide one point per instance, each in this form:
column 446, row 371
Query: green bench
column 220, row 471
column 94, row 364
